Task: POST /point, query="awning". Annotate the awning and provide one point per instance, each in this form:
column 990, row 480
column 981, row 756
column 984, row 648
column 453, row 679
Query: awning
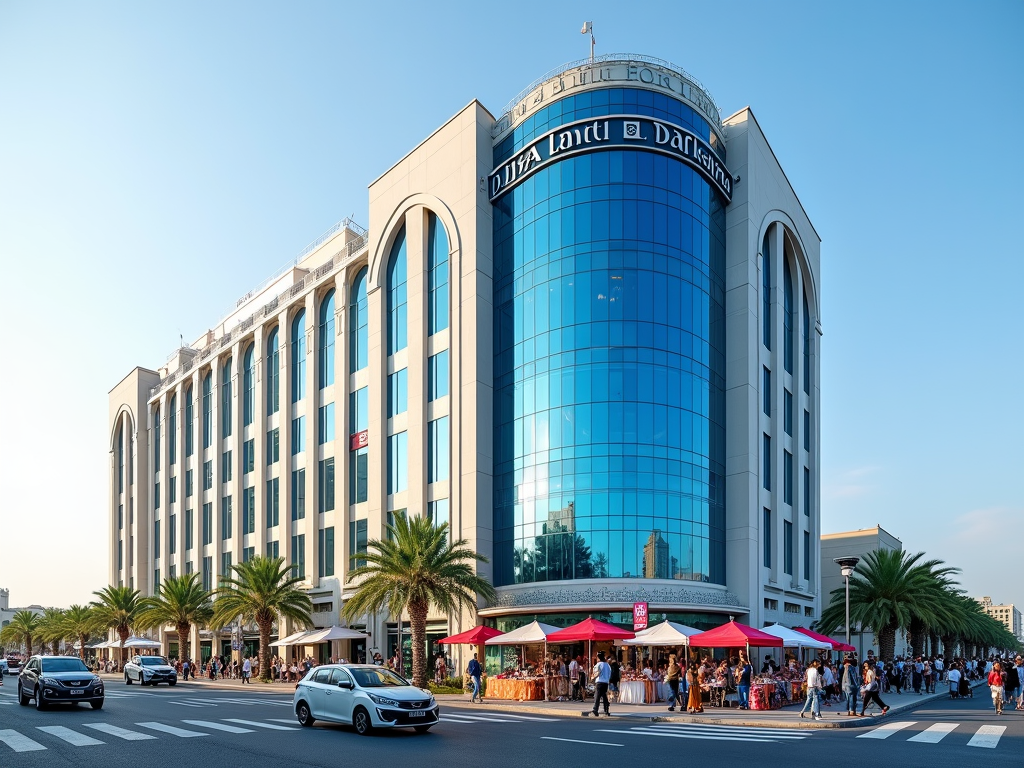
column 534, row 632
column 590, row 629
column 475, row 636
column 665, row 633
column 334, row 633
column 141, row 642
column 294, row 639
column 793, row 639
column 735, row 635
column 835, row 644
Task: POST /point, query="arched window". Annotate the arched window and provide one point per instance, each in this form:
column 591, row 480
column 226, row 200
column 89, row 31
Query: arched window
column 807, row 347
column 437, row 263
column 273, row 372
column 787, row 313
column 249, row 384
column 172, row 431
column 189, row 416
column 357, row 323
column 156, row 439
column 208, row 409
column 225, row 399
column 325, row 360
column 398, row 329
column 299, row 356
column 766, row 290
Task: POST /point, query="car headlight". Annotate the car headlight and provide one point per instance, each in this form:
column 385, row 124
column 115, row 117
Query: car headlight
column 96, row 679
column 48, row 681
column 382, row 700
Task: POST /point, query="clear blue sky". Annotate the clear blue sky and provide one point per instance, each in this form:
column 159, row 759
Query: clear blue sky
column 158, row 162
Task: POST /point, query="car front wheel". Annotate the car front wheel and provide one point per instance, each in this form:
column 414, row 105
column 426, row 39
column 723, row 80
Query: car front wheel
column 40, row 704
column 22, row 698
column 361, row 722
column 303, row 714
column 97, row 704
column 127, row 679
column 422, row 728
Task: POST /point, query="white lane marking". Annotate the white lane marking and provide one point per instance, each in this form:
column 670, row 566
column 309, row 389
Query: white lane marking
column 987, row 736
column 674, row 735
column 189, row 704
column 18, row 742
column 121, row 733
column 293, row 721
column 218, row 726
column 475, row 718
column 775, row 733
column 580, row 741
column 534, row 719
column 935, row 733
column 183, row 733
column 71, row 737
column 260, row 725
column 887, row 730
column 726, row 731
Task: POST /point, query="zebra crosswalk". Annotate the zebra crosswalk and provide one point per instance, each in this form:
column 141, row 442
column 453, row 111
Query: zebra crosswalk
column 701, row 732
column 43, row 737
column 460, row 716
column 986, row 736
column 245, row 701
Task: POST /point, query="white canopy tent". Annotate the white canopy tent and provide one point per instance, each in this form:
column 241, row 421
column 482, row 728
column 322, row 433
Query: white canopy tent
column 534, row 632
column 793, row 639
column 294, row 639
column 334, row 633
column 140, row 642
column 666, row 633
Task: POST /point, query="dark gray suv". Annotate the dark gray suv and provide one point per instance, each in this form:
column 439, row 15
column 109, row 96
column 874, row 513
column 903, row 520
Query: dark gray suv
column 58, row 680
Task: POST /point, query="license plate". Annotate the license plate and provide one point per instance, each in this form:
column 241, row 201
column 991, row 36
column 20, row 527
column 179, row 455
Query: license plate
column 417, row 714
column 77, row 691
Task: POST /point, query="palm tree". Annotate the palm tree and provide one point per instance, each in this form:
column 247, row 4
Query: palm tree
column 51, row 629
column 21, row 629
column 118, row 608
column 79, row 623
column 181, row 601
column 414, row 568
column 261, row 591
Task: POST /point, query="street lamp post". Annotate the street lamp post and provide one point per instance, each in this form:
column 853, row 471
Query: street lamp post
column 846, row 567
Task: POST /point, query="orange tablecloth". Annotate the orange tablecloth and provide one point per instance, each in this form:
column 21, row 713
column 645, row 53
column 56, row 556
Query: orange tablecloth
column 515, row 690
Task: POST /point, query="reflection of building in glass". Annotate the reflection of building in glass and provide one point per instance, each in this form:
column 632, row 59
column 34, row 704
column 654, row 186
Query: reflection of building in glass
column 656, row 559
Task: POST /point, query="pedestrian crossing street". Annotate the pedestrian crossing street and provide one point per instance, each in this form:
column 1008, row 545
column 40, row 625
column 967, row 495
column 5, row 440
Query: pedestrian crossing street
column 95, row 734
column 986, row 736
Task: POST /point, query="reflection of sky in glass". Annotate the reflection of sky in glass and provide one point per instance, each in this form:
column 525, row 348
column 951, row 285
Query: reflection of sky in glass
column 609, row 368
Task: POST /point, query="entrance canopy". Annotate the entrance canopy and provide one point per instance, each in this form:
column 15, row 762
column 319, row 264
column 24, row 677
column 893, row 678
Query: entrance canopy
column 666, row 633
column 534, row 632
column 590, row 629
column 333, row 633
column 475, row 636
column 835, row 645
column 294, row 639
column 793, row 639
column 735, row 635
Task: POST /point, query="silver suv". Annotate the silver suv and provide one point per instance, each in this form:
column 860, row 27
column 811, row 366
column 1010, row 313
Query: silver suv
column 149, row 670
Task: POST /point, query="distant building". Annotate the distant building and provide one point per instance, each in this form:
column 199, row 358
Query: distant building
column 855, row 544
column 1007, row 614
column 656, row 557
column 7, row 613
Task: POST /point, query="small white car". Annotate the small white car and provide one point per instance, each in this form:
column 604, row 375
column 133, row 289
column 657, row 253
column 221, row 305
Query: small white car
column 149, row 670
column 363, row 696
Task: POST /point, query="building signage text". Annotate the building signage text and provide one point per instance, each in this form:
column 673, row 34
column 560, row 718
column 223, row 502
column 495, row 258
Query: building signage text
column 639, row 616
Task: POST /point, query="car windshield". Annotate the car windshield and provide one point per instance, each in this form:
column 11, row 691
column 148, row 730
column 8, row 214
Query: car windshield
column 153, row 661
column 64, row 665
column 377, row 678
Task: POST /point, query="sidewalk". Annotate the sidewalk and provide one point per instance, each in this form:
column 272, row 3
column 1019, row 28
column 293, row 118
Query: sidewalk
column 284, row 689
column 787, row 717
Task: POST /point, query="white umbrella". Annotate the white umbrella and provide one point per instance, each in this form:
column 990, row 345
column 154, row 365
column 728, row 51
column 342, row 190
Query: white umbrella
column 140, row 642
column 793, row 639
column 665, row 633
column 334, row 633
column 534, row 632
column 293, row 639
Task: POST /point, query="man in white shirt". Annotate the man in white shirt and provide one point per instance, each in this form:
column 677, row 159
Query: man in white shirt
column 954, row 681
column 813, row 691
column 602, row 676
column 574, row 678
column 246, row 670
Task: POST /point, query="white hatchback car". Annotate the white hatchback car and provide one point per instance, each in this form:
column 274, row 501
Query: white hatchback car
column 365, row 697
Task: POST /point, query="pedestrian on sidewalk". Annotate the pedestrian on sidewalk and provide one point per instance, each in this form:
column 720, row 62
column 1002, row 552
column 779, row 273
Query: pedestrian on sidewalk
column 693, row 702
column 1019, row 668
column 1011, row 683
column 673, row 673
column 996, row 685
column 474, row 673
column 813, row 691
column 574, row 679
column 246, row 670
column 850, row 685
column 869, row 690
column 744, row 672
column 615, row 677
column 602, row 676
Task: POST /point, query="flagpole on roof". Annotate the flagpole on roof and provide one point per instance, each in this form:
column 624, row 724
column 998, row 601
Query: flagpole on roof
column 588, row 29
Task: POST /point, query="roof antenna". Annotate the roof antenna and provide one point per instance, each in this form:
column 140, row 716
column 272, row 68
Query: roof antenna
column 588, row 29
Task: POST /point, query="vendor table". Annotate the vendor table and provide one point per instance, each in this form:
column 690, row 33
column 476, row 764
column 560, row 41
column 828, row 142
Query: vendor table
column 631, row 692
column 515, row 689
column 765, row 696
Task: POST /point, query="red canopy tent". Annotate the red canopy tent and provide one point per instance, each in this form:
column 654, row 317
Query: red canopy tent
column 590, row 629
column 475, row 636
column 735, row 635
column 836, row 645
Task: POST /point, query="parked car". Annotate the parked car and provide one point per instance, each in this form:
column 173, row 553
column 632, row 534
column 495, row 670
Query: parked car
column 365, row 697
column 13, row 665
column 3, row 670
column 58, row 680
column 149, row 670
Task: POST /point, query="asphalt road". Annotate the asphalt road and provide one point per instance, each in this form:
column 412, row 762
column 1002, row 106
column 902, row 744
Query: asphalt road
column 187, row 727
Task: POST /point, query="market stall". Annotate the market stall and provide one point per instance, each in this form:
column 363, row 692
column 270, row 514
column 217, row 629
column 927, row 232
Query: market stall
column 521, row 681
column 666, row 634
column 764, row 690
column 835, row 644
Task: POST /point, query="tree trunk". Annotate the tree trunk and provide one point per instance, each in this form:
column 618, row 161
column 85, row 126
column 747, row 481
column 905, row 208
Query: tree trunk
column 265, row 626
column 184, row 638
column 28, row 642
column 123, row 633
column 887, row 642
column 418, row 623
column 81, row 646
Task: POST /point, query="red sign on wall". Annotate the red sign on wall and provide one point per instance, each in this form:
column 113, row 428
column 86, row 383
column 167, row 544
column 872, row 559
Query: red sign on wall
column 639, row 616
column 359, row 440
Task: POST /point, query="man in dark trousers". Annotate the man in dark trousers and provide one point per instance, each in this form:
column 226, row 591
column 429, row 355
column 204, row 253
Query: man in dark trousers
column 602, row 676
column 475, row 672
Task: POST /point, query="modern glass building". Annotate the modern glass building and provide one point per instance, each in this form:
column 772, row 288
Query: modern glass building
column 583, row 333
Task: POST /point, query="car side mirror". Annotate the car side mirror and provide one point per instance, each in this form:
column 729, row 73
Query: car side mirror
column 345, row 684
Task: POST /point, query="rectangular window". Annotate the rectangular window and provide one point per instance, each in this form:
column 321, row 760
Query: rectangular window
column 248, row 553
column 298, row 494
column 357, row 541
column 208, row 475
column 225, row 518
column 359, row 410
column 766, row 392
column 391, row 522
column 787, row 477
column 807, row 492
column 437, row 377
column 120, row 554
column 358, row 476
column 189, row 532
column 156, row 577
column 325, row 554
column 766, row 461
column 299, row 556
column 273, row 549
column 325, row 490
column 189, row 567
column 156, row 539
column 298, row 435
column 787, row 420
column 325, row 424
column 767, row 536
column 225, row 566
column 398, row 392
column 787, row 543
column 398, row 462
column 172, row 491
column 225, row 467
column 248, row 456
column 437, row 512
column 208, row 573
column 120, row 517
column 437, row 450
column 807, row 555
column 273, row 502
column 208, row 523
column 273, row 446
column 807, row 430
column 249, row 510
column 156, row 495
column 172, row 535
column 189, row 484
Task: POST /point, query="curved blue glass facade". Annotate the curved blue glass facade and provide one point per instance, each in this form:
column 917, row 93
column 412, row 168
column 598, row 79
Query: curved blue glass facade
column 609, row 375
